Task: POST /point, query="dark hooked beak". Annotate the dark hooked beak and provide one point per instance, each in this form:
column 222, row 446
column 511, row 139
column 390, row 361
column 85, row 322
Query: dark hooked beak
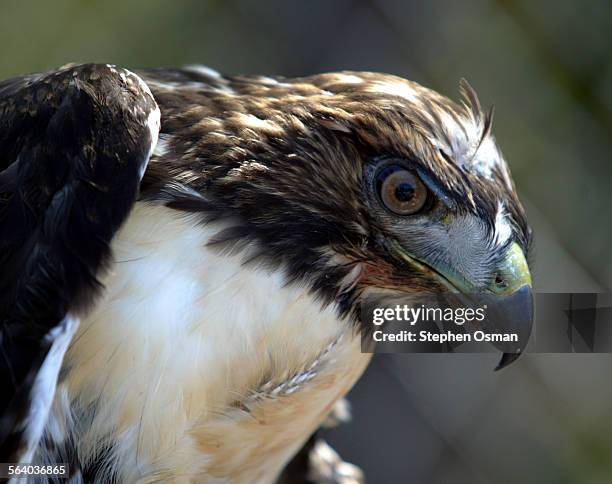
column 510, row 314
column 508, row 298
column 511, row 309
column 506, row 359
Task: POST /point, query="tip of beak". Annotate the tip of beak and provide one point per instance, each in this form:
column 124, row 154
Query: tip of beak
column 506, row 359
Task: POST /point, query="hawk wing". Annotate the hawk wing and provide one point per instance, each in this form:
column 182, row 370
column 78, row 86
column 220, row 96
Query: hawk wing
column 74, row 144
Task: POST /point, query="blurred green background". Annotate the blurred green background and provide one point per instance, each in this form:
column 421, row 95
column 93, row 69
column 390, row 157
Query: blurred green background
column 547, row 67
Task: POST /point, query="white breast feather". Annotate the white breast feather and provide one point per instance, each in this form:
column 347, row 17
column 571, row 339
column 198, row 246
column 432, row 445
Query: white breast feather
column 181, row 337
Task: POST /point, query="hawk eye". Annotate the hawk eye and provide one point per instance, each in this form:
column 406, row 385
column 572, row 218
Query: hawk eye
column 401, row 191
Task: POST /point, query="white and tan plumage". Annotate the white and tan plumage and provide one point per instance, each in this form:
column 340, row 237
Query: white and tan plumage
column 227, row 327
column 196, row 350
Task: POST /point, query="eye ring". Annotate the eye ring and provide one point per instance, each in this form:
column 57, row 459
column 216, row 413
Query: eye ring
column 400, row 190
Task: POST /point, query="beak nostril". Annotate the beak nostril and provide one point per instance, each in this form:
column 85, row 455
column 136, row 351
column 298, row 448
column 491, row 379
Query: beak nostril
column 500, row 281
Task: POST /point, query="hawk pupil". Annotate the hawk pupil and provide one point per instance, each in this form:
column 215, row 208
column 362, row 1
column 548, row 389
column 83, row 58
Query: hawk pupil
column 400, row 190
column 404, row 192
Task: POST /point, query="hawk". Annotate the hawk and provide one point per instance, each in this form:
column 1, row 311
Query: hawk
column 184, row 255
